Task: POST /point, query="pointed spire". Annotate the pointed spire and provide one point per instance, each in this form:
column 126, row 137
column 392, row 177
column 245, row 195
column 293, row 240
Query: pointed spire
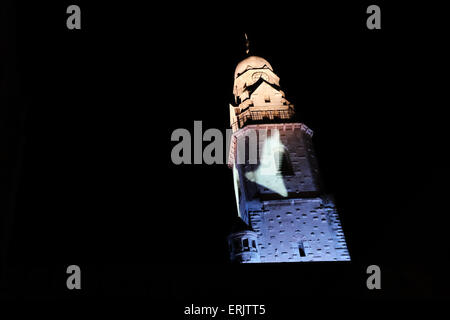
column 247, row 44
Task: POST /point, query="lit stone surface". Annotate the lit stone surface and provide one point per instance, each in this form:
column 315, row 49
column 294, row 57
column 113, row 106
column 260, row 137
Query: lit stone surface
column 298, row 230
column 249, row 63
column 278, row 197
column 257, row 94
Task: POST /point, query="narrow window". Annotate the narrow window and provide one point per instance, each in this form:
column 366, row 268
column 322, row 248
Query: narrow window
column 245, row 243
column 254, row 244
column 301, row 250
column 283, row 163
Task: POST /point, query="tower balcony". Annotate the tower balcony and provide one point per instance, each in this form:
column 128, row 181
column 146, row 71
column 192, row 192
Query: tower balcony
column 257, row 115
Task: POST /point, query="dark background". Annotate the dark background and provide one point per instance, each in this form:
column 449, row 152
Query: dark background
column 86, row 123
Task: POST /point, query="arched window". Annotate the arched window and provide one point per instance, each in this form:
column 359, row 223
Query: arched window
column 283, row 163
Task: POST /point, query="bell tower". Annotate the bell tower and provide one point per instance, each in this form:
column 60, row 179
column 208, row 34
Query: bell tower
column 283, row 214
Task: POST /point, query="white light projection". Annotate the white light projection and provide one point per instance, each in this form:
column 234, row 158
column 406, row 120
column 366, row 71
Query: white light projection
column 268, row 174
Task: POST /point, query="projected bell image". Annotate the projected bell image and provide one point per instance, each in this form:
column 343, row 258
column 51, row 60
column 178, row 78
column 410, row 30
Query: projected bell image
column 269, row 173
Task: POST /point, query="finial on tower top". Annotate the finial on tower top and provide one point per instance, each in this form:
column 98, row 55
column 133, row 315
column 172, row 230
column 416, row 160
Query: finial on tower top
column 247, row 44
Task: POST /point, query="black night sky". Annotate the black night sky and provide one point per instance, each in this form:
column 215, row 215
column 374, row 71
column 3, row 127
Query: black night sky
column 86, row 119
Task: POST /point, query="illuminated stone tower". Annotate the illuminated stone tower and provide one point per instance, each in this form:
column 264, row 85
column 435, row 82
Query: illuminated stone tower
column 283, row 215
